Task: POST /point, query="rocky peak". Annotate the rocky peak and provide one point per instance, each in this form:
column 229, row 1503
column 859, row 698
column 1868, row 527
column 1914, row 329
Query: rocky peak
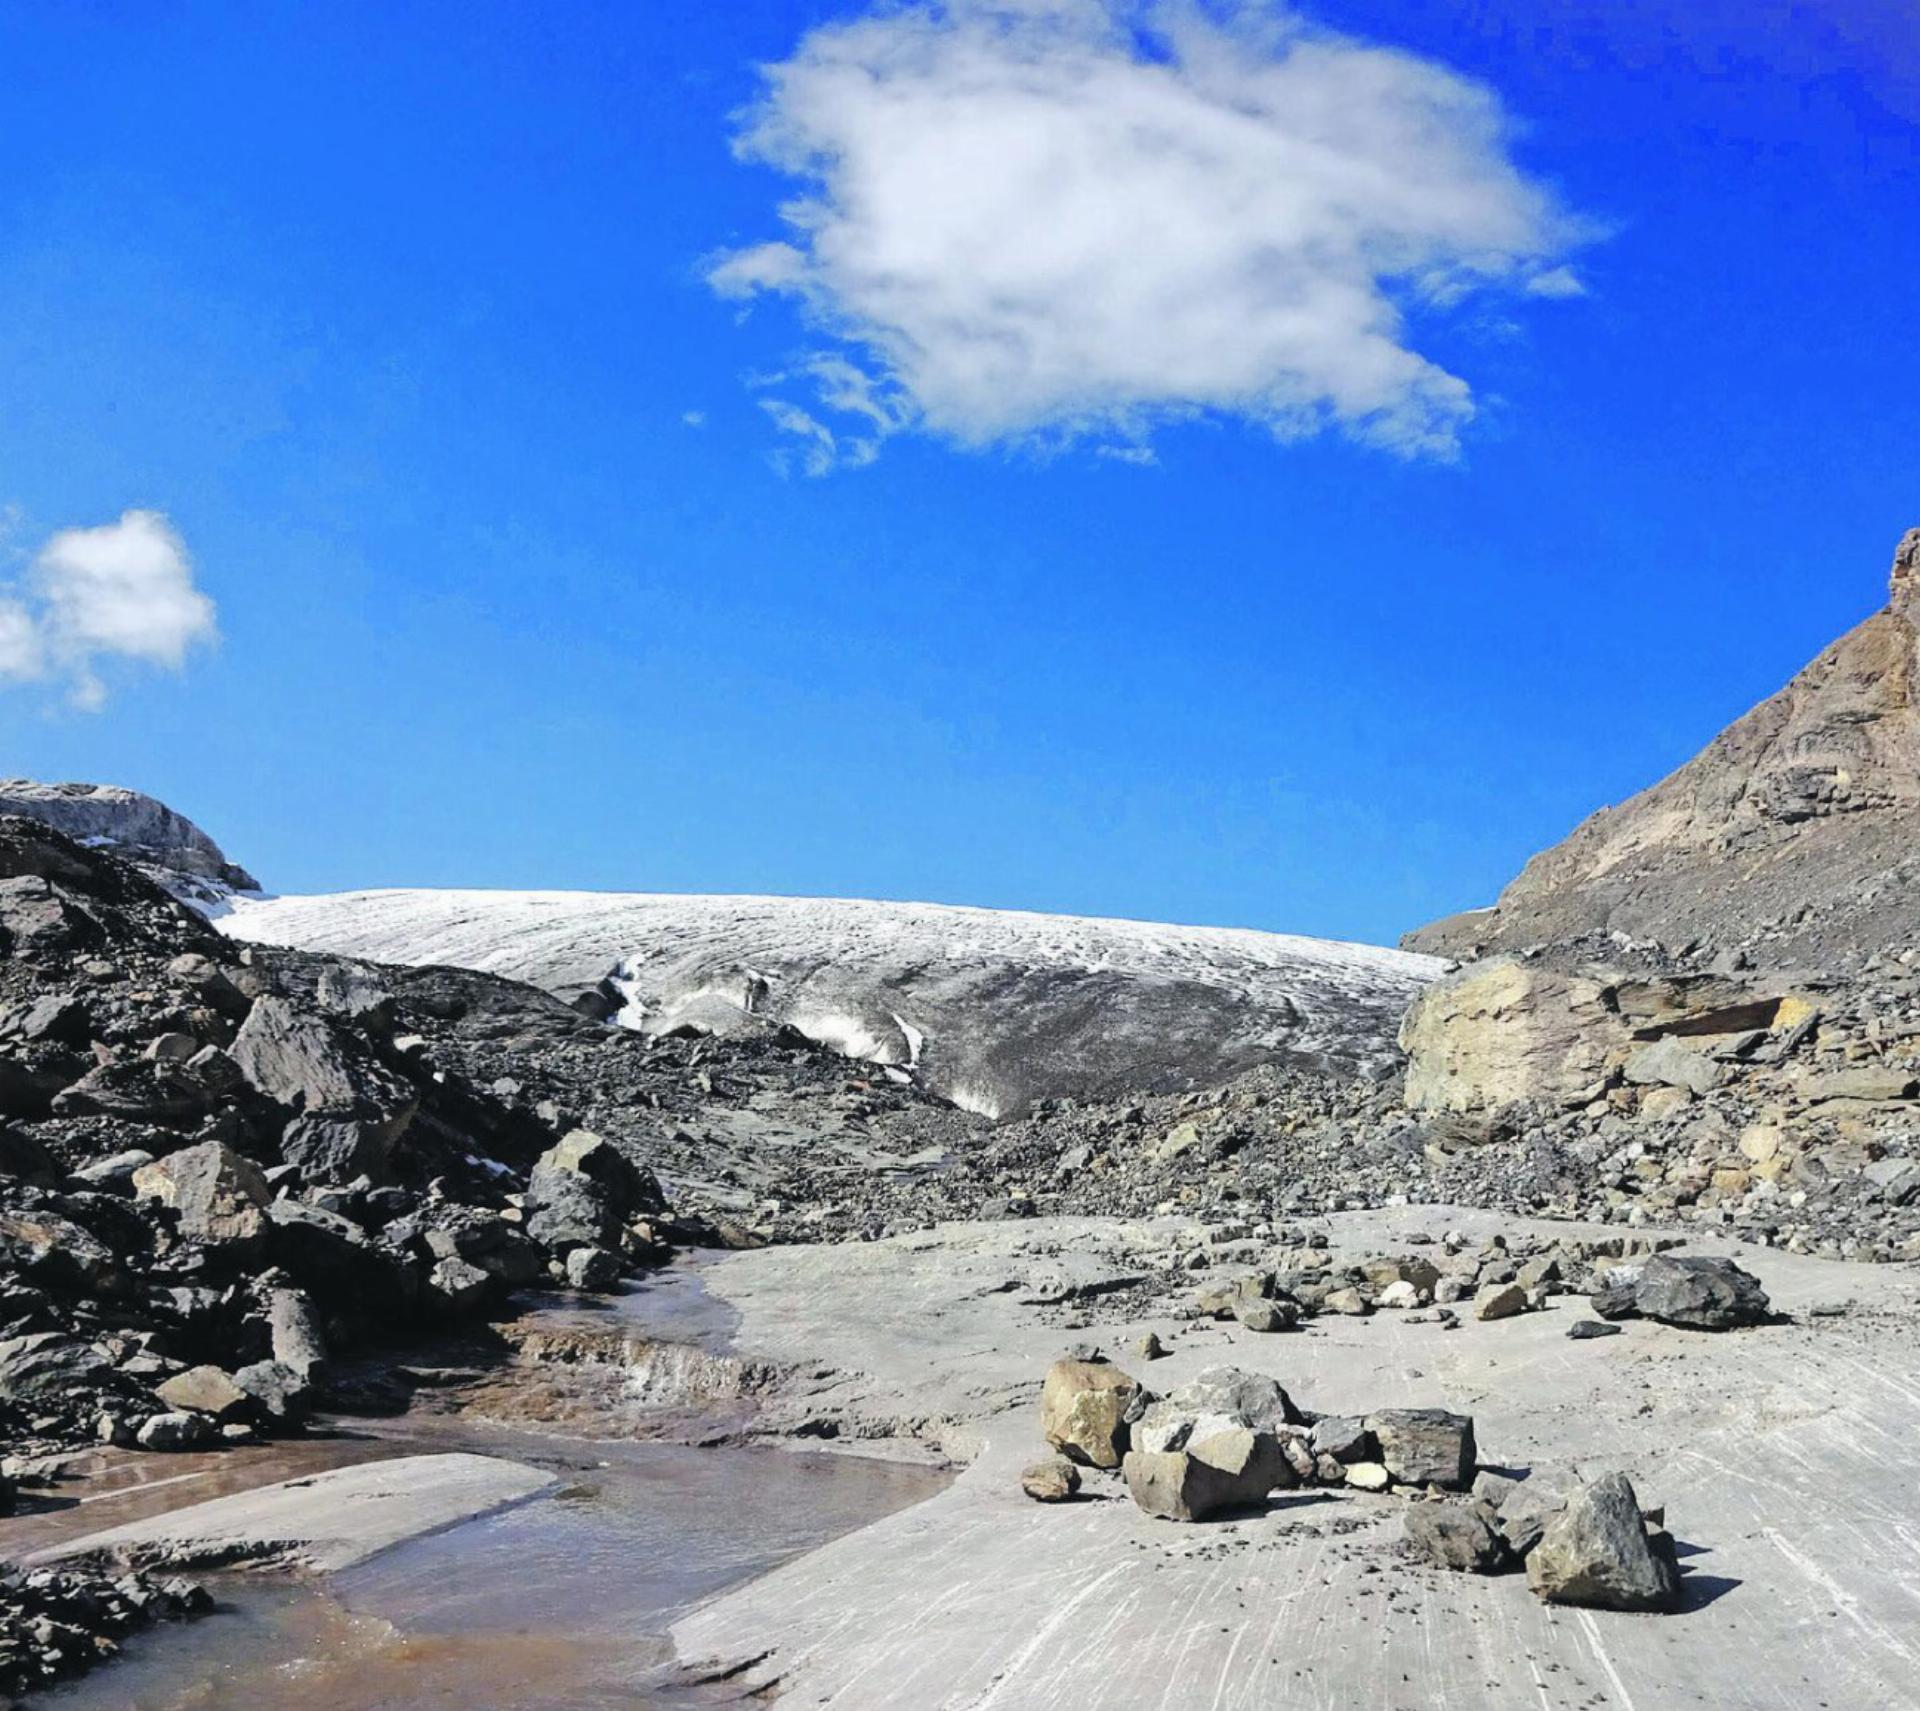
column 168, row 847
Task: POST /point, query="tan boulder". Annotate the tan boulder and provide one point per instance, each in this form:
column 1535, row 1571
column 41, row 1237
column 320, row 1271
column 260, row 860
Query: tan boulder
column 1084, row 1407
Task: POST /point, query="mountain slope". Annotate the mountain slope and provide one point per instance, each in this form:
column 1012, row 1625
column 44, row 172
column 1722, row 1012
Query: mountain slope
column 992, row 1009
column 168, row 847
column 1794, row 836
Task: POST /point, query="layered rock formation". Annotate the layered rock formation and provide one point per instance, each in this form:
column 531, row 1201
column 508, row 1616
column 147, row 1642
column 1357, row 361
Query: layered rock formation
column 1792, row 839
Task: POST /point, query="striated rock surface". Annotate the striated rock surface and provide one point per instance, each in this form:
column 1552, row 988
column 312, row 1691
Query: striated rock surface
column 1792, row 835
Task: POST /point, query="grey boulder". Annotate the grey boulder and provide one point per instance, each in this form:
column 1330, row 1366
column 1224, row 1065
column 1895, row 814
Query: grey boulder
column 1599, row 1552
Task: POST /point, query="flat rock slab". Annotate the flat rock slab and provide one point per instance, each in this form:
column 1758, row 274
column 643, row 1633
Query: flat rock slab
column 323, row 1522
column 1776, row 1452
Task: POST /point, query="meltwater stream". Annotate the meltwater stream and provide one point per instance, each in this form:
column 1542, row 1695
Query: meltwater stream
column 559, row 1604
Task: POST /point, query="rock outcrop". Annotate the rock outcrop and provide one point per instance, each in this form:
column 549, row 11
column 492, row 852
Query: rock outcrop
column 1793, row 837
column 167, row 846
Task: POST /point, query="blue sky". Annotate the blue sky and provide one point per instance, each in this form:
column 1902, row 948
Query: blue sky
column 398, row 315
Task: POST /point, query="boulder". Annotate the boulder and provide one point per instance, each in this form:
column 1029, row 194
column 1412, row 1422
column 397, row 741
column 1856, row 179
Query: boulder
column 1344, row 1437
column 1668, row 1063
column 1500, row 1301
column 1699, row 1291
column 304, row 1062
column 1457, row 1536
column 206, row 1390
column 56, row 1252
column 1507, row 1029
column 1053, row 1480
column 1231, row 1468
column 1085, row 1407
column 44, row 1368
column 276, row 1391
column 220, row 1198
column 1598, row 1552
column 295, row 1334
column 584, row 1190
column 459, row 1287
column 24, row 1159
column 592, row 1269
column 1425, row 1446
column 175, row 1431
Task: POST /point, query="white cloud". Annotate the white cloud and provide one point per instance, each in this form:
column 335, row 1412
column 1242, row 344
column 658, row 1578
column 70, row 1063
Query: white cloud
column 121, row 591
column 1037, row 220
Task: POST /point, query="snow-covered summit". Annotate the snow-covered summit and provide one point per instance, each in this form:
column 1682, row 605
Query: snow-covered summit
column 992, row 1008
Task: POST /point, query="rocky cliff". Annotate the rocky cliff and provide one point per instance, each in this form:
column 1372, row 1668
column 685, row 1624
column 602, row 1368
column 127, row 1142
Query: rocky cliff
column 1792, row 839
column 168, row 847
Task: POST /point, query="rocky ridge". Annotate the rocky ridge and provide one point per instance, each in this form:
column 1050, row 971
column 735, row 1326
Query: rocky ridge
column 1790, row 841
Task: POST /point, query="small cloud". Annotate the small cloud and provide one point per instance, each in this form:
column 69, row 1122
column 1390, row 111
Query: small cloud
column 120, row 591
column 1141, row 456
column 694, row 418
column 1557, row 282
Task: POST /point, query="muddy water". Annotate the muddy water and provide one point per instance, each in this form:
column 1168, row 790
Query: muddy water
column 559, row 1604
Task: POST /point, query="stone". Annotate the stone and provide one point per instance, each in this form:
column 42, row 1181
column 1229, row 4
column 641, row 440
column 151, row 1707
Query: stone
column 175, row 1431
column 1866, row 1082
column 1584, row 1330
column 1425, row 1446
column 1266, row 1316
column 1668, row 1063
column 276, row 1390
column 1398, row 1296
column 295, row 1334
column 1349, row 1302
column 303, row 1061
column 1456, row 1536
column 24, row 1159
column 337, row 1149
column 1368, row 1476
column 1699, row 1291
column 458, row 1286
column 1897, row 1179
column 1084, row 1411
column 1344, row 1437
column 583, row 1191
column 1149, row 1347
column 1053, row 1480
column 592, row 1269
column 218, row 1196
column 1597, row 1552
column 55, row 1251
column 43, row 1368
column 206, row 1390
column 114, row 1173
column 1500, row 1301
column 1521, row 1513
column 1234, row 1468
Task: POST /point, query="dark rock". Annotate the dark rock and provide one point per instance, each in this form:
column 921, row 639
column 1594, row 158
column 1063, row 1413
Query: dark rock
column 1425, row 1446
column 1456, row 1536
column 1582, row 1330
column 1597, row 1552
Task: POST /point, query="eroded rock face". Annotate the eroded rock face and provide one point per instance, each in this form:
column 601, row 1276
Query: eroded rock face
column 1084, row 1411
column 1598, row 1551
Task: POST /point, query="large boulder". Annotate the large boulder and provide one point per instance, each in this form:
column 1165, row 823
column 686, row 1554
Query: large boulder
column 1699, row 1291
column 1232, row 1467
column 219, row 1197
column 1425, row 1446
column 1459, row 1536
column 584, row 1190
column 1598, row 1551
column 1504, row 1030
column 207, row 1390
column 1085, row 1408
column 306, row 1063
column 57, row 1252
column 45, row 1368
